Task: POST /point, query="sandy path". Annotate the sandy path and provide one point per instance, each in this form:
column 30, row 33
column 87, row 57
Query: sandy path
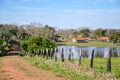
column 15, row 68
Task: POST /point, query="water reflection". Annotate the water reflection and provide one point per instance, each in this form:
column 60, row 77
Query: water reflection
column 86, row 51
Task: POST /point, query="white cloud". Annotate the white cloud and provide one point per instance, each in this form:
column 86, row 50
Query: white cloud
column 92, row 12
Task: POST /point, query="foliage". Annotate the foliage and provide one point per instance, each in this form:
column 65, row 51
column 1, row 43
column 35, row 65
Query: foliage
column 10, row 31
column 99, row 32
column 36, row 44
column 114, row 36
column 24, row 45
column 49, row 31
column 13, row 34
column 22, row 34
column 4, row 47
column 85, row 32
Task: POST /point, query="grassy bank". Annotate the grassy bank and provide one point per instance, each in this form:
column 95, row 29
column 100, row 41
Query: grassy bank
column 73, row 71
column 91, row 43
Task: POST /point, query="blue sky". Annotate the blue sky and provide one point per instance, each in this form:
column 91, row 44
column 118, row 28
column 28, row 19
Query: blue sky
column 62, row 13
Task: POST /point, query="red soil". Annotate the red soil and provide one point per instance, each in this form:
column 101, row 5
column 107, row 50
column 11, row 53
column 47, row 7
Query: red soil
column 15, row 68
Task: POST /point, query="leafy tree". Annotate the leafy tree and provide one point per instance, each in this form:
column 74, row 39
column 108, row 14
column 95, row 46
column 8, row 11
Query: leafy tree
column 4, row 48
column 114, row 36
column 35, row 44
column 22, row 34
column 99, row 32
column 7, row 31
column 49, row 31
column 24, row 45
column 85, row 32
column 13, row 34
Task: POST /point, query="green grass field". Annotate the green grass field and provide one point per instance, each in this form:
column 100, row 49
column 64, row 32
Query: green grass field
column 73, row 71
column 91, row 43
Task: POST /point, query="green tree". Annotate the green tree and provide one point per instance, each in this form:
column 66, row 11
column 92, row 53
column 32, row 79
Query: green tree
column 22, row 34
column 35, row 44
column 85, row 32
column 4, row 48
column 99, row 32
column 24, row 45
column 114, row 36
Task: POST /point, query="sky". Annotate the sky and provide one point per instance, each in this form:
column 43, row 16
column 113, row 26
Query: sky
column 62, row 14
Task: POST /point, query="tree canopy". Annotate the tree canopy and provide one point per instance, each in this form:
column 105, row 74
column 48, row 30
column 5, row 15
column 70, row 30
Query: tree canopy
column 85, row 32
column 32, row 36
column 99, row 32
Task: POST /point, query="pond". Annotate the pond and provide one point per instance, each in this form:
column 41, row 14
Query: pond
column 86, row 51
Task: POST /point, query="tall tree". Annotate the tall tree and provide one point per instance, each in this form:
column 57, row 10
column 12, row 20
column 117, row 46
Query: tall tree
column 49, row 32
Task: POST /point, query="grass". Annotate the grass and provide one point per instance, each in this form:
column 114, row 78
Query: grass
column 41, row 63
column 72, row 71
column 91, row 43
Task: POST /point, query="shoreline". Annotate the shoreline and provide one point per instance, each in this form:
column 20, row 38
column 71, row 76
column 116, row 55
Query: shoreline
column 91, row 44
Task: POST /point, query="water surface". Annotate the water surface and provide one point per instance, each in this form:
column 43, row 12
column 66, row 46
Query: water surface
column 86, row 51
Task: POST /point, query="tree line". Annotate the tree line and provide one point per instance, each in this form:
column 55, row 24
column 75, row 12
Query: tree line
column 45, row 36
column 30, row 38
column 112, row 34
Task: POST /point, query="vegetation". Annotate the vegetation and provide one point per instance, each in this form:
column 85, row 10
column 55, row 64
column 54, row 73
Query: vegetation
column 114, row 36
column 23, row 37
column 4, row 48
column 37, row 45
column 17, row 33
column 73, row 71
column 99, row 32
column 85, row 32
column 91, row 43
column 38, row 40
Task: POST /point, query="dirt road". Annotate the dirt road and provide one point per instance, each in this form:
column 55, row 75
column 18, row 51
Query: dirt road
column 16, row 68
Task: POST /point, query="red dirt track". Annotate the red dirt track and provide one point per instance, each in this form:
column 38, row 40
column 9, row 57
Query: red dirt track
column 16, row 68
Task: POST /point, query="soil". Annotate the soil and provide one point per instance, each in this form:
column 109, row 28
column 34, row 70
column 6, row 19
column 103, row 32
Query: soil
column 16, row 68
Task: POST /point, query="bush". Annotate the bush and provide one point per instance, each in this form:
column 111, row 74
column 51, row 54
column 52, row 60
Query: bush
column 36, row 44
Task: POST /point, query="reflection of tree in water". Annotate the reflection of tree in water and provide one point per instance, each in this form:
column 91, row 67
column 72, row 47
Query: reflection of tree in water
column 99, row 54
column 85, row 54
column 114, row 54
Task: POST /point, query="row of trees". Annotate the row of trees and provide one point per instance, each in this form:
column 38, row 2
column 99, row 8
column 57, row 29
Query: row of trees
column 23, row 32
column 113, row 34
column 13, row 34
